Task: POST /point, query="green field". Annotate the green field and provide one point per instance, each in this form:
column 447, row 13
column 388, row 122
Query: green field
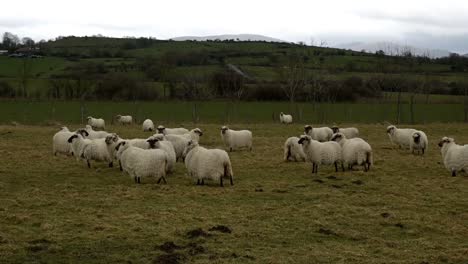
column 407, row 209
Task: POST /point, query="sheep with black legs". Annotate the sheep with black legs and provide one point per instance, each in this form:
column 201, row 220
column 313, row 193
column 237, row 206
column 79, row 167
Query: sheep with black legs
column 202, row 163
column 60, row 143
column 321, row 134
column 124, row 120
column 172, row 131
column 349, row 132
column 354, row 151
column 401, row 137
column 148, row 125
column 139, row 163
column 321, row 153
column 454, row 156
column 285, row 119
column 418, row 142
column 96, row 123
column 293, row 150
column 236, row 139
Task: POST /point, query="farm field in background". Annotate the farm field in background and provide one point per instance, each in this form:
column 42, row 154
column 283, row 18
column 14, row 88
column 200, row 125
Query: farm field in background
column 407, row 209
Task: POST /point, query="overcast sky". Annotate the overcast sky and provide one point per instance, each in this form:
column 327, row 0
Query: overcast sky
column 425, row 23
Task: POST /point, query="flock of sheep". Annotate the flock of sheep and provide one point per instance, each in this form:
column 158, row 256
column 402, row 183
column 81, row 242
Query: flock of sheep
column 156, row 155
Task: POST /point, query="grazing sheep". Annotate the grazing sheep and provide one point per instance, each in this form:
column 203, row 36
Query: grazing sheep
column 194, row 134
column 148, row 125
column 92, row 134
column 139, row 162
column 285, row 119
column 202, row 163
column 321, row 134
column 455, row 156
column 158, row 143
column 60, row 142
column 418, row 142
column 78, row 142
column 354, row 151
column 172, row 131
column 236, row 139
column 319, row 153
column 349, row 132
column 96, row 123
column 293, row 150
column 400, row 136
column 124, row 120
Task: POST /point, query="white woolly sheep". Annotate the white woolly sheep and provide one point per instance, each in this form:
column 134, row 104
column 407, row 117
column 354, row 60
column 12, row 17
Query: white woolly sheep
column 60, row 143
column 418, row 142
column 400, row 136
column 158, row 143
column 178, row 142
column 285, row 119
column 202, row 163
column 293, row 150
column 354, row 151
column 139, row 162
column 194, row 134
column 455, row 156
column 77, row 142
column 148, row 125
column 321, row 153
column 93, row 134
column 95, row 149
column 349, row 132
column 236, row 139
column 96, row 123
column 172, row 131
column 321, row 134
column 124, row 120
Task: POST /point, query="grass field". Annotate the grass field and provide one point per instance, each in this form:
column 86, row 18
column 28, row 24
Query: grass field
column 407, row 209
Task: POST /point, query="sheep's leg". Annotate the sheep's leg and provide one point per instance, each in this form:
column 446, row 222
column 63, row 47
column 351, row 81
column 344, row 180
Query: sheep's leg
column 230, row 178
column 202, row 182
column 111, row 164
column 163, row 179
column 89, row 165
column 198, row 181
column 342, row 167
column 336, row 166
column 135, row 178
column 313, row 167
column 221, row 181
column 423, row 151
column 368, row 166
column 316, row 168
column 139, row 179
column 454, row 173
column 120, row 166
column 365, row 167
column 230, row 149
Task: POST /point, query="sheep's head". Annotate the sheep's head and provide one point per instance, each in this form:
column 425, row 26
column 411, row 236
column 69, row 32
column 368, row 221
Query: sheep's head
column 161, row 129
column 191, row 144
column 307, row 129
column 121, row 144
column 304, row 139
column 89, row 117
column 338, row 137
column 198, row 131
column 82, row 132
column 64, row 128
column 70, row 140
column 224, row 129
column 391, row 130
column 281, row 114
column 416, row 137
column 88, row 127
column 335, row 129
column 159, row 136
column 118, row 117
column 445, row 140
column 112, row 138
column 153, row 142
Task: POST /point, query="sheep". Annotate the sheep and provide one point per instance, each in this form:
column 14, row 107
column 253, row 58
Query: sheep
column 236, row 139
column 172, row 131
column 148, row 125
column 158, row 143
column 293, row 150
column 418, row 142
column 455, row 156
column 92, row 134
column 354, row 151
column 124, row 120
column 111, row 142
column 138, row 162
column 95, row 149
column 400, row 136
column 178, row 141
column 96, row 123
column 285, row 119
column 321, row 153
column 77, row 142
column 321, row 134
column 349, row 132
column 194, row 134
column 202, row 163
column 60, row 144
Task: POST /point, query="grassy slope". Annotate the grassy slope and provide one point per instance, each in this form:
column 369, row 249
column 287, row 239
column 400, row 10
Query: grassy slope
column 55, row 210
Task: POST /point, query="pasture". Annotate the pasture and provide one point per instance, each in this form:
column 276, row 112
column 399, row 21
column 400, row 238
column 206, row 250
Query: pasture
column 407, row 209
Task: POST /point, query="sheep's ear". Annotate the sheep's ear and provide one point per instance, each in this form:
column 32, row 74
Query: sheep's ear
column 71, row 138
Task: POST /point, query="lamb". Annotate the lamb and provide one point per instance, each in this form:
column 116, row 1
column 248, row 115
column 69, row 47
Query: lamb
column 418, row 142
column 158, row 143
column 124, row 120
column 96, row 123
column 455, row 156
column 148, row 125
column 92, row 134
column 400, row 136
column 60, row 143
column 321, row 134
column 139, row 162
column 319, row 153
column 172, row 131
column 285, row 119
column 354, row 151
column 194, row 134
column 349, row 132
column 293, row 150
column 202, row 163
column 236, row 139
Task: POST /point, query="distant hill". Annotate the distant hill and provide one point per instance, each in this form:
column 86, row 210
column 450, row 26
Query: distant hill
column 391, row 48
column 238, row 37
column 465, row 55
